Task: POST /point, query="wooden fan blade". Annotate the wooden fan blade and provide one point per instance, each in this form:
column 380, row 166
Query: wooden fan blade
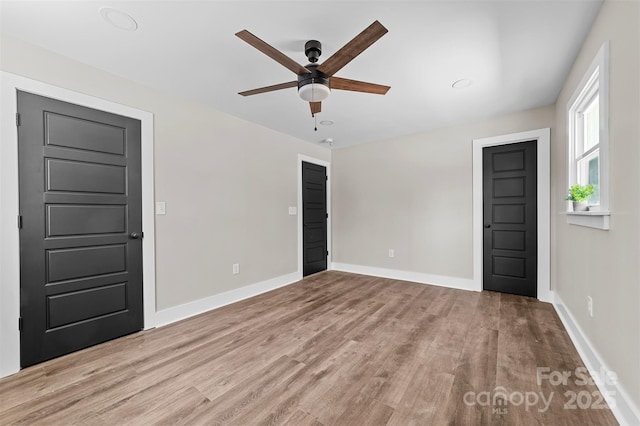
column 352, row 49
column 269, row 88
column 316, row 107
column 357, row 86
column 272, row 52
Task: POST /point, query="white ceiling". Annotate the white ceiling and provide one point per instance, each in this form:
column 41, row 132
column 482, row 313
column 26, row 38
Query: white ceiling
column 517, row 53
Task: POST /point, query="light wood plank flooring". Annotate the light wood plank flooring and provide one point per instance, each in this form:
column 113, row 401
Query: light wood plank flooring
column 335, row 348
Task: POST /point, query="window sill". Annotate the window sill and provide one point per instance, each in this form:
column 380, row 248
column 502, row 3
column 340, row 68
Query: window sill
column 596, row 219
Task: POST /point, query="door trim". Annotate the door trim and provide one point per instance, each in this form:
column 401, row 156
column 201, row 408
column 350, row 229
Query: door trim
column 9, row 235
column 542, row 136
column 327, row 165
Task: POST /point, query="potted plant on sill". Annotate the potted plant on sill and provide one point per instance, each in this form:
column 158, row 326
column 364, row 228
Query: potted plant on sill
column 579, row 194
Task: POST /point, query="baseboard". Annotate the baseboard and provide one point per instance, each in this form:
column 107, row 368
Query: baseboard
column 438, row 280
column 177, row 313
column 623, row 407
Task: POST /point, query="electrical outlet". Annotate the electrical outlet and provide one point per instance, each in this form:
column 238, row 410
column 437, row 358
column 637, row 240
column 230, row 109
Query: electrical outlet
column 392, row 253
column 236, row 268
column 590, row 306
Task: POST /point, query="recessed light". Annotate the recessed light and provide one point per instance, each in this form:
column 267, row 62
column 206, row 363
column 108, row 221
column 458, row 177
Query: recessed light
column 461, row 84
column 326, row 122
column 119, row 19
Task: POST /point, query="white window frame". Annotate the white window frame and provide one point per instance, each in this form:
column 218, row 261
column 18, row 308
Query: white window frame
column 595, row 80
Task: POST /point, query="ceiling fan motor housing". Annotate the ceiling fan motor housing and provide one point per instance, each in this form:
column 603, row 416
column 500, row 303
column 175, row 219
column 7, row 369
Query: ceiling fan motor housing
column 313, row 87
column 313, row 50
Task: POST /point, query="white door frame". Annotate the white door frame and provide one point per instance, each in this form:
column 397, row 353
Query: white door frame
column 326, row 164
column 9, row 235
column 542, row 136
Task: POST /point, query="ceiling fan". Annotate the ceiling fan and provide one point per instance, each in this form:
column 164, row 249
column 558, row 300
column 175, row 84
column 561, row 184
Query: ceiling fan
column 315, row 81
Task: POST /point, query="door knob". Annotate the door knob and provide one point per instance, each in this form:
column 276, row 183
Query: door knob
column 135, row 235
column 487, row 226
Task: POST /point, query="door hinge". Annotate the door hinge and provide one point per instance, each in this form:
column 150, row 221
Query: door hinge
column 18, row 119
column 327, row 252
column 19, row 222
column 326, row 215
column 20, row 324
column 326, row 178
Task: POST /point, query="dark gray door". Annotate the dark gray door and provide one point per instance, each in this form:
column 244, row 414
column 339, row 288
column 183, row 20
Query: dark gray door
column 510, row 219
column 314, row 218
column 80, row 238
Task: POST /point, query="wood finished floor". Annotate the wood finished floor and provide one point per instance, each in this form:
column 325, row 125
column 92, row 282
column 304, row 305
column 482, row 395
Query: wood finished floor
column 336, row 348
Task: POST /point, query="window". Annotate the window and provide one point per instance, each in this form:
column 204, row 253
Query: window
column 587, row 117
column 587, row 152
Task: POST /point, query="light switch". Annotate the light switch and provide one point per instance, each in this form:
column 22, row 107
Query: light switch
column 293, row 211
column 161, row 207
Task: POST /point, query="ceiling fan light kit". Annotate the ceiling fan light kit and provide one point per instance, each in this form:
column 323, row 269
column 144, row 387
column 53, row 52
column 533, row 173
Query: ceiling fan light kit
column 313, row 87
column 315, row 81
column 314, row 92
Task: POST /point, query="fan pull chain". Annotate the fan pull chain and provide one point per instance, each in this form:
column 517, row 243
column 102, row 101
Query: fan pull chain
column 313, row 97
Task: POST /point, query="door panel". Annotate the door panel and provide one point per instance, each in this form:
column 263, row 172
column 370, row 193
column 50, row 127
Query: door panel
column 74, row 176
column 510, row 218
column 68, row 220
column 508, row 240
column 508, row 187
column 83, row 262
column 81, row 305
column 80, row 198
column 508, row 267
column 314, row 218
column 513, row 213
column 73, row 132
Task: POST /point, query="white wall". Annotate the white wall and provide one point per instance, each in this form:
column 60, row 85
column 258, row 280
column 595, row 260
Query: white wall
column 414, row 195
column 227, row 183
column 606, row 264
